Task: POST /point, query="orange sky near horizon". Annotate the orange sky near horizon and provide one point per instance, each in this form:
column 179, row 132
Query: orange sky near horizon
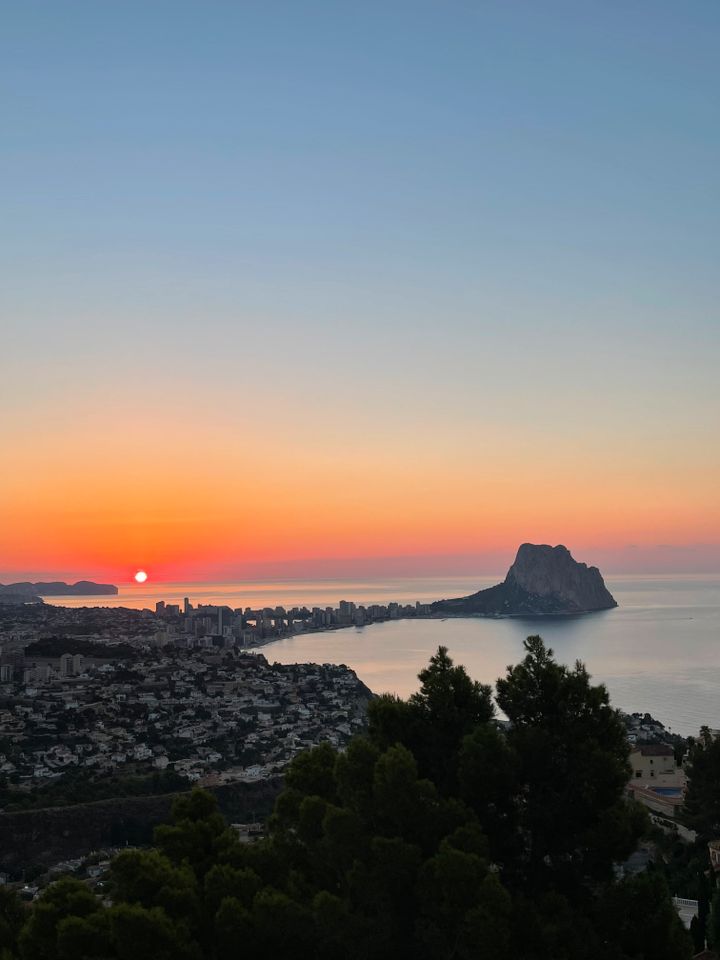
column 185, row 500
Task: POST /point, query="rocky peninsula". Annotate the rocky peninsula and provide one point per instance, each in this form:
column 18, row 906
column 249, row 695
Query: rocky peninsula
column 26, row 592
column 543, row 581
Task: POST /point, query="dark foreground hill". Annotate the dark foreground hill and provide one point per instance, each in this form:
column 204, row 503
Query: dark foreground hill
column 45, row 836
column 542, row 581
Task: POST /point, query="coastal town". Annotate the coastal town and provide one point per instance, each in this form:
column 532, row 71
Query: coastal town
column 193, row 625
column 180, row 691
column 176, row 690
column 133, row 694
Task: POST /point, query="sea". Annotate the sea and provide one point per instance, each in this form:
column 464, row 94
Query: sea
column 658, row 652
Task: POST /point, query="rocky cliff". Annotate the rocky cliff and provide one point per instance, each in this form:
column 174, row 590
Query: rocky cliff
column 542, row 581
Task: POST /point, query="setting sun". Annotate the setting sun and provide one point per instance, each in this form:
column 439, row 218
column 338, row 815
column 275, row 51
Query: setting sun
column 140, row 576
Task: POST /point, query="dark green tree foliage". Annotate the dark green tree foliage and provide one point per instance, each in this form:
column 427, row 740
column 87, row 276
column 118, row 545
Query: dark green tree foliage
column 12, row 916
column 702, row 802
column 433, row 722
column 697, row 932
column 572, row 757
column 150, row 879
column 69, row 923
column 712, row 921
column 125, row 932
column 488, row 779
column 639, row 917
column 198, row 835
column 39, row 939
column 438, row 836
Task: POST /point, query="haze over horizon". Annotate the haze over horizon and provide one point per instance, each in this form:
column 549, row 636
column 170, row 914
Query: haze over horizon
column 302, row 288
column 662, row 559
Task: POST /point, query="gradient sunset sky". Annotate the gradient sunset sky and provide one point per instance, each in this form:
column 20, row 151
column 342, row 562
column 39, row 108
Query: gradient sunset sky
column 303, row 288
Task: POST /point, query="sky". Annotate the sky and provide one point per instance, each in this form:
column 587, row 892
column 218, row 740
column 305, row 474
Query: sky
column 301, row 287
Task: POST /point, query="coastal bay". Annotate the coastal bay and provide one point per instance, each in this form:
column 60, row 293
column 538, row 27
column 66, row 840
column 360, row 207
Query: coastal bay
column 659, row 651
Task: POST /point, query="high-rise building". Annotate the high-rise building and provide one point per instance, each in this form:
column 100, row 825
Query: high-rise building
column 16, row 659
column 346, row 610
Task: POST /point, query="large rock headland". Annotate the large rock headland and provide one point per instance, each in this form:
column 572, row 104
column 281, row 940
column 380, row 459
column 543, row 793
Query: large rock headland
column 543, row 581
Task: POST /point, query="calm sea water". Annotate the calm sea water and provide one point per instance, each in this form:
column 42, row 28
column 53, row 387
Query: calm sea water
column 659, row 651
column 288, row 593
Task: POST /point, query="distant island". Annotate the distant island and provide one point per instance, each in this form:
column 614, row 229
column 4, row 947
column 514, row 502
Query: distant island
column 26, row 592
column 543, row 581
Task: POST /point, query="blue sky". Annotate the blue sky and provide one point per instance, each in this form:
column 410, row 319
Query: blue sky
column 557, row 146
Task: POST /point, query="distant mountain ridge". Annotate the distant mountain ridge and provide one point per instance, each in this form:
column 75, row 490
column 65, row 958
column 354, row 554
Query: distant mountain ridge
column 543, row 581
column 57, row 588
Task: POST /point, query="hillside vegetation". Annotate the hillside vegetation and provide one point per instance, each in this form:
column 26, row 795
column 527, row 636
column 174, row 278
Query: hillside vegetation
column 438, row 835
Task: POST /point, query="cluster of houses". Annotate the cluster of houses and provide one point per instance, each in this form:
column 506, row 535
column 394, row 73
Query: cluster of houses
column 209, row 715
column 92, row 869
column 21, row 624
column 658, row 779
column 659, row 782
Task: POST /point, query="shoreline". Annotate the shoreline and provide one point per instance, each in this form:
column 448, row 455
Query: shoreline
column 545, row 617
